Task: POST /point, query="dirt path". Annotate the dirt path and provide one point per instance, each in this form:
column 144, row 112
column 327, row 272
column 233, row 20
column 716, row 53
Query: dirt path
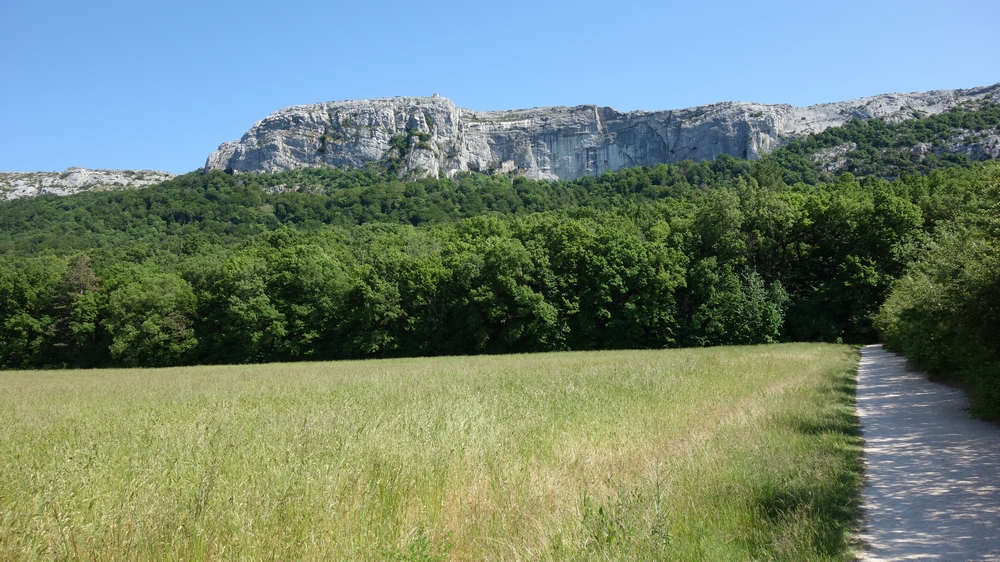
column 933, row 474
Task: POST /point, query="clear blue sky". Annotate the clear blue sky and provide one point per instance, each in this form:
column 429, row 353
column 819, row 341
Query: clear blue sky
column 159, row 85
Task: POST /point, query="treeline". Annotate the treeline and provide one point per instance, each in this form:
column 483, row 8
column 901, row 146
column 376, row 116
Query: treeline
column 944, row 312
column 219, row 208
column 224, row 209
column 327, row 264
column 755, row 261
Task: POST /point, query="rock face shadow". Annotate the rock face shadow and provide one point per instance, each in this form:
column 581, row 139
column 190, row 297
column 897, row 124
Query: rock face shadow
column 932, row 474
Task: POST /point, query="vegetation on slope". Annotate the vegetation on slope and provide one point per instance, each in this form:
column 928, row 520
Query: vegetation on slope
column 742, row 264
column 226, row 209
column 215, row 268
column 707, row 454
column 875, row 148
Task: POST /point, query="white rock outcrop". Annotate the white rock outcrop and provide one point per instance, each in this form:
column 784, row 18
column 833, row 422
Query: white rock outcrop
column 74, row 180
column 432, row 136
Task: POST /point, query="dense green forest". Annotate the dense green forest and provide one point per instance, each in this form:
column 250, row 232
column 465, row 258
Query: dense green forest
column 944, row 312
column 326, row 263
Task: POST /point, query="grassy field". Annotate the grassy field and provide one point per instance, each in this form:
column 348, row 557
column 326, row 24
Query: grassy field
column 704, row 454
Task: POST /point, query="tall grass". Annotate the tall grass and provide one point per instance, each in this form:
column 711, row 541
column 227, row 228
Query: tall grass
column 707, row 454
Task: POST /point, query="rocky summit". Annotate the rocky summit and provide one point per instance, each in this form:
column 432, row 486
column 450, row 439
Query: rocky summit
column 432, row 136
column 14, row 185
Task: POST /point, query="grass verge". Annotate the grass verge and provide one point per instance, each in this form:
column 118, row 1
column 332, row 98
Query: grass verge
column 706, row 454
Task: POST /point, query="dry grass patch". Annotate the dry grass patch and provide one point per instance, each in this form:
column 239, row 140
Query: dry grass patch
column 721, row 454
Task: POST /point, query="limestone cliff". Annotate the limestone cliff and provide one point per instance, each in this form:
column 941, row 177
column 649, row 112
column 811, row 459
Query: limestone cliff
column 432, row 136
column 74, row 180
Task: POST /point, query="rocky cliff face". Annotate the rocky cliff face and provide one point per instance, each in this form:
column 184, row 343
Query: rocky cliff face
column 74, row 180
column 432, row 136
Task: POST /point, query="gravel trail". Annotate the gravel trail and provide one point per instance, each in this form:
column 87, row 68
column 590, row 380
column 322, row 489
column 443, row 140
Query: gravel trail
column 933, row 474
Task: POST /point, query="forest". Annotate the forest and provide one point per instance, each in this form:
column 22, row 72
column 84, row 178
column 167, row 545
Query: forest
column 321, row 263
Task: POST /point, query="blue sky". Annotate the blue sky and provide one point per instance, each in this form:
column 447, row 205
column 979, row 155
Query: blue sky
column 159, row 85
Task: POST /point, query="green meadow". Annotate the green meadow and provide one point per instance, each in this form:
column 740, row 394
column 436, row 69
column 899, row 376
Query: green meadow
column 729, row 453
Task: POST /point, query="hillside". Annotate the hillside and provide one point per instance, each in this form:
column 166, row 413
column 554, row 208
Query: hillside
column 326, row 263
column 431, row 136
column 880, row 148
column 230, row 207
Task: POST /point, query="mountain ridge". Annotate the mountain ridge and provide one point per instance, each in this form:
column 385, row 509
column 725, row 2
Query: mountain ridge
column 14, row 185
column 431, row 136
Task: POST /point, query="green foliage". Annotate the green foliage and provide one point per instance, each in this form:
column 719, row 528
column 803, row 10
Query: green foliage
column 731, row 309
column 221, row 208
column 944, row 312
column 887, row 150
column 735, row 264
column 76, row 305
column 325, row 263
column 149, row 321
column 421, row 548
column 25, row 293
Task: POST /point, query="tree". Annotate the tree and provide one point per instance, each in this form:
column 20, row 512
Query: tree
column 76, row 306
column 242, row 323
column 149, row 321
column 731, row 309
column 25, row 288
